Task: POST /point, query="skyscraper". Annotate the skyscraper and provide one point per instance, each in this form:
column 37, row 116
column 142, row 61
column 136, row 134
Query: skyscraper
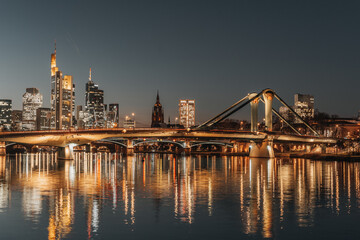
column 62, row 97
column 16, row 120
column 187, row 112
column 32, row 100
column 94, row 105
column 157, row 119
column 43, row 117
column 113, row 115
column 5, row 113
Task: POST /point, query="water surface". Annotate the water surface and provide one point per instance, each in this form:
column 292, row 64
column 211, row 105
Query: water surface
column 104, row 196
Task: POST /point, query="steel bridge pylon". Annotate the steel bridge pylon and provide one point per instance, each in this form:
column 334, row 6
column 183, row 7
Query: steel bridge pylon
column 266, row 96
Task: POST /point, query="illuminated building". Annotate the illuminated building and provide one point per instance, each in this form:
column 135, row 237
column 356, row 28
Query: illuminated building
column 113, row 115
column 187, row 112
column 285, row 113
column 16, row 120
column 62, row 97
column 94, row 105
column 5, row 113
column 157, row 119
column 304, row 106
column 43, row 117
column 80, row 117
column 32, row 100
column 129, row 122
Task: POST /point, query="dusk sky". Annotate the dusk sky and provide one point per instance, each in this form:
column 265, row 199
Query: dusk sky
column 212, row 51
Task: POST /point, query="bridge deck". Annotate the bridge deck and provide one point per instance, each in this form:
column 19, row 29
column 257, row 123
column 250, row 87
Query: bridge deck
column 64, row 137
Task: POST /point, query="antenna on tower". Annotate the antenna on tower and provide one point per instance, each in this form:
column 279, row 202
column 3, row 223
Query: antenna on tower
column 55, row 46
column 90, row 75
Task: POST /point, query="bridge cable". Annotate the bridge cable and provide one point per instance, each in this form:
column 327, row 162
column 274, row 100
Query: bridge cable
column 237, row 109
column 295, row 113
column 283, row 119
column 228, row 109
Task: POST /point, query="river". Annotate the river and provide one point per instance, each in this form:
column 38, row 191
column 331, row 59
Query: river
column 111, row 196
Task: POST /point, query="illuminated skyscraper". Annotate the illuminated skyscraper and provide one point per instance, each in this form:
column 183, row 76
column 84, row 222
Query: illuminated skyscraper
column 187, row 112
column 32, row 100
column 43, row 117
column 5, row 113
column 113, row 115
column 62, row 97
column 157, row 119
column 94, row 105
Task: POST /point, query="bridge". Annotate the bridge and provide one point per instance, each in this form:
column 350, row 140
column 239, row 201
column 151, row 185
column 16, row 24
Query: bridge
column 261, row 144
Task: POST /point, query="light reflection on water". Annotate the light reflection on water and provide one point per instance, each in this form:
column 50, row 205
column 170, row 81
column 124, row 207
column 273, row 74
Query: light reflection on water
column 107, row 195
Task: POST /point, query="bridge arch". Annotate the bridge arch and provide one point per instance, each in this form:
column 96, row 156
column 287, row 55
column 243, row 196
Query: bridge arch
column 212, row 143
column 156, row 141
column 10, row 144
column 114, row 141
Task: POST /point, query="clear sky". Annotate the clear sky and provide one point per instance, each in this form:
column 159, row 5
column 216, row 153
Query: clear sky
column 212, row 51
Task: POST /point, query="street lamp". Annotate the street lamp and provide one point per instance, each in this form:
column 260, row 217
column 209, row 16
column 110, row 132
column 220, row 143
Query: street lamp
column 176, row 121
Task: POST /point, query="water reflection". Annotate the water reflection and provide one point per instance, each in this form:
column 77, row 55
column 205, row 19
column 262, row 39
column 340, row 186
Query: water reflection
column 260, row 195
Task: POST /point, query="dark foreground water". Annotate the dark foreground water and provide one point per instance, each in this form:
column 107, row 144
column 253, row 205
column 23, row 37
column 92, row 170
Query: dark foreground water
column 108, row 196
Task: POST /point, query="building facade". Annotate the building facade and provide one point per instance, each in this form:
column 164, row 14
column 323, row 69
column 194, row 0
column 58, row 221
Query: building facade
column 129, row 122
column 94, row 105
column 43, row 118
column 31, row 101
column 187, row 112
column 112, row 118
column 304, row 106
column 62, row 97
column 80, row 116
column 157, row 117
column 16, row 120
column 5, row 114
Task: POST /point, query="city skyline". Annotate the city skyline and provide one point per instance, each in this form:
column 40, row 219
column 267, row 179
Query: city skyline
column 199, row 119
column 137, row 48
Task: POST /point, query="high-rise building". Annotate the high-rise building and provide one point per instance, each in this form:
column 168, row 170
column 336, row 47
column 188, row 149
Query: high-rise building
column 304, row 106
column 94, row 105
column 62, row 97
column 113, row 115
column 157, row 119
column 43, row 118
column 32, row 100
column 16, row 120
column 5, row 114
column 80, row 116
column 187, row 112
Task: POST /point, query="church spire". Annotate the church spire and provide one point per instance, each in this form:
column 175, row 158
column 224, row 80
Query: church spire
column 157, row 118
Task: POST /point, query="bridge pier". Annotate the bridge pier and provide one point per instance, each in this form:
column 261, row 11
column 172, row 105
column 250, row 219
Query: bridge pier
column 268, row 98
column 66, row 153
column 254, row 112
column 262, row 149
column 2, row 148
column 187, row 148
column 130, row 147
